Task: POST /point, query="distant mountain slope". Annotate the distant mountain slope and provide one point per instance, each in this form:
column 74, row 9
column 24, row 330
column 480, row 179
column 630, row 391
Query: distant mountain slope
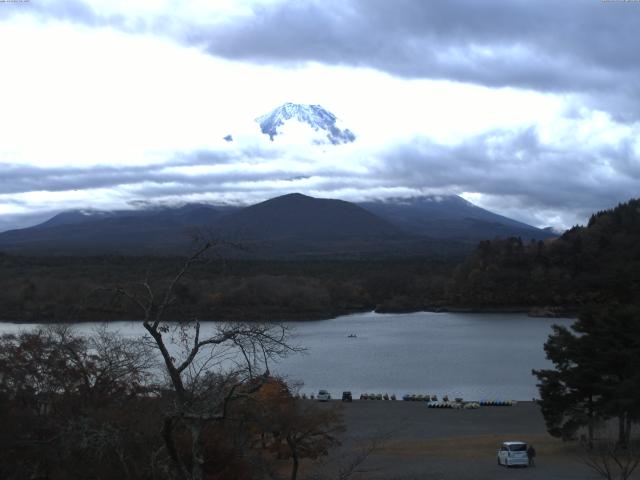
column 190, row 214
column 147, row 231
column 450, row 217
column 314, row 116
column 289, row 226
column 297, row 216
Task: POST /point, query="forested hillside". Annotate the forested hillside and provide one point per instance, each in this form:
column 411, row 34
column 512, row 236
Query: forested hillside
column 49, row 289
column 593, row 264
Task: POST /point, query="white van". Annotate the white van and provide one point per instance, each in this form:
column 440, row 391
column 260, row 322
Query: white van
column 513, row 453
column 323, row 396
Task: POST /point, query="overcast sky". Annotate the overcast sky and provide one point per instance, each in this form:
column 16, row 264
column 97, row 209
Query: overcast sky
column 528, row 108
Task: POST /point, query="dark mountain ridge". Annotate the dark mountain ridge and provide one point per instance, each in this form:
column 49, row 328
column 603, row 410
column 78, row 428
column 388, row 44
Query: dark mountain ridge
column 301, row 217
column 289, row 225
column 450, row 217
column 150, row 231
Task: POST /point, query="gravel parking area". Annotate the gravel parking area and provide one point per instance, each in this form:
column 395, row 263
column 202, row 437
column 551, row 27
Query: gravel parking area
column 415, row 442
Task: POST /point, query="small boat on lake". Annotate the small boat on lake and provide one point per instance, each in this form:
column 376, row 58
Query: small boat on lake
column 352, row 335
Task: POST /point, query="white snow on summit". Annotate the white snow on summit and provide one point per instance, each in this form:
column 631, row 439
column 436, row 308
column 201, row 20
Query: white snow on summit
column 319, row 120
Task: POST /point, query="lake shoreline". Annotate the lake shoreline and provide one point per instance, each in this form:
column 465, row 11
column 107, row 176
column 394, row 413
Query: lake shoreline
column 455, row 354
column 286, row 317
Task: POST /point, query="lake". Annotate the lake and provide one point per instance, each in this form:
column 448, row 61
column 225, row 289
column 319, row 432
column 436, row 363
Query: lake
column 469, row 355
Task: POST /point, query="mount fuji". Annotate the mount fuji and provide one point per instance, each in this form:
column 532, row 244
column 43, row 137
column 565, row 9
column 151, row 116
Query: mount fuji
column 317, row 118
column 289, row 226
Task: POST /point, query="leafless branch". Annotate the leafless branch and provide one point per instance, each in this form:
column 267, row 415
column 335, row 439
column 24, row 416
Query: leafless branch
column 612, row 461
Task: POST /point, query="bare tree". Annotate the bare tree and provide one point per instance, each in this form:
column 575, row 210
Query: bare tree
column 294, row 428
column 67, row 402
column 612, row 461
column 206, row 372
column 105, row 363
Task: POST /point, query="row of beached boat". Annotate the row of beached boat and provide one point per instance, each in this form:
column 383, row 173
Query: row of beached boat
column 454, row 405
column 377, row 396
column 304, row 396
column 497, row 403
column 412, row 397
column 432, row 400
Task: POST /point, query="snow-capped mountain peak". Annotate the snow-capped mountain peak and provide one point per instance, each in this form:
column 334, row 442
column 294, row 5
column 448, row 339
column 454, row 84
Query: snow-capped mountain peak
column 314, row 116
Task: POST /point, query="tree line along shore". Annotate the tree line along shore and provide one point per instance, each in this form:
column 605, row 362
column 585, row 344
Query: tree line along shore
column 597, row 263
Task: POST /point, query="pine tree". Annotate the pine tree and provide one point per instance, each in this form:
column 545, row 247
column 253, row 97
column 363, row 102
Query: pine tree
column 596, row 374
column 570, row 392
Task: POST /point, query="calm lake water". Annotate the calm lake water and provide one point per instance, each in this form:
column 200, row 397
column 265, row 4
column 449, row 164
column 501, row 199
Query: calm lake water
column 473, row 356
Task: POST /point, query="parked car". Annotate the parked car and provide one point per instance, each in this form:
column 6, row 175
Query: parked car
column 323, row 396
column 513, row 453
column 347, row 397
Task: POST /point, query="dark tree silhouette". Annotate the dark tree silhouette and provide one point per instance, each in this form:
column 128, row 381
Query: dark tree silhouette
column 596, row 374
column 206, row 373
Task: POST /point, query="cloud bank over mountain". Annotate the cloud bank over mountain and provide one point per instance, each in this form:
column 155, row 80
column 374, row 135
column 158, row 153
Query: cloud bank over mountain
column 529, row 109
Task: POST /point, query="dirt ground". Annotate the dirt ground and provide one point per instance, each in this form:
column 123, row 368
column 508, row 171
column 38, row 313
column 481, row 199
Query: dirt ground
column 410, row 441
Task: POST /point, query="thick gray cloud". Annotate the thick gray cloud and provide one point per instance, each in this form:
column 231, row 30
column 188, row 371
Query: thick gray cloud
column 568, row 46
column 147, row 181
column 19, row 178
column 573, row 46
column 582, row 47
column 516, row 173
column 520, row 173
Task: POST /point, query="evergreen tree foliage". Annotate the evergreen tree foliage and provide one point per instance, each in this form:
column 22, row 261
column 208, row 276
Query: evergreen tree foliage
column 596, row 264
column 596, row 374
